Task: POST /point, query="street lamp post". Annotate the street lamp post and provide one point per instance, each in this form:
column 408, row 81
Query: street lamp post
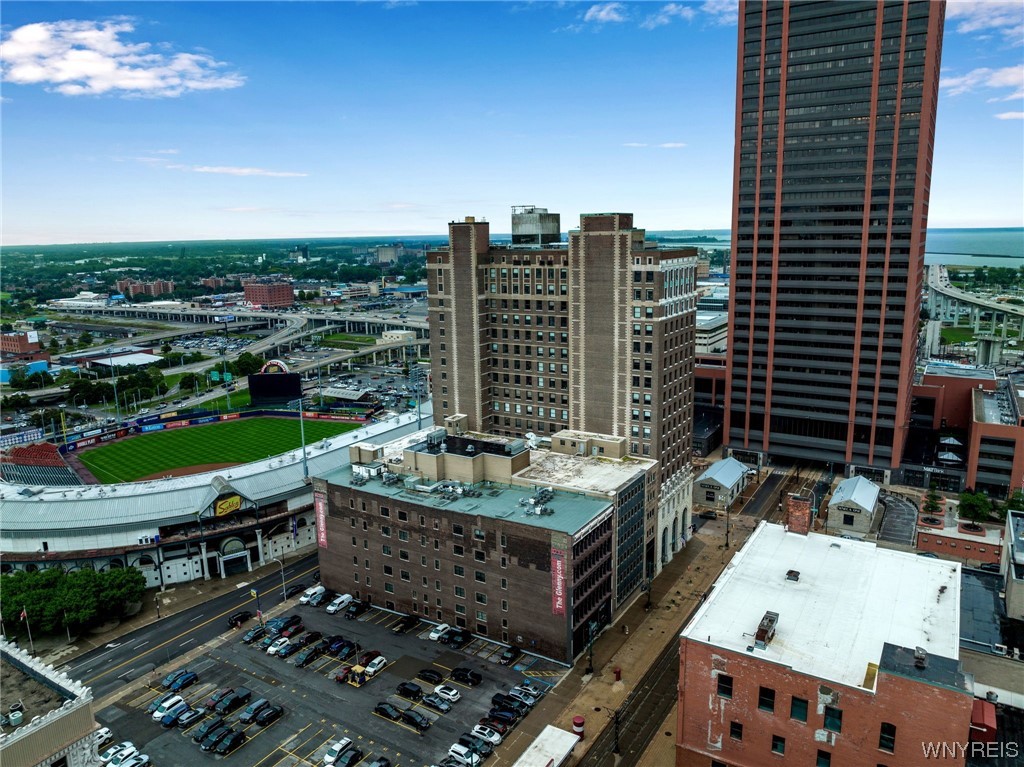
column 728, row 508
column 590, row 630
column 259, row 608
column 284, row 590
column 302, row 436
column 113, row 380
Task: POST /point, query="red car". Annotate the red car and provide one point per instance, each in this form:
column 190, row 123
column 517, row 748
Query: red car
column 295, row 630
column 367, row 656
column 500, row 727
column 343, row 674
column 217, row 697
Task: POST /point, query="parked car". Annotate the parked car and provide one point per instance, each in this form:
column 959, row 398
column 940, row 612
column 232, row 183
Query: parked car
column 406, row 623
column 409, row 690
column 463, row 755
column 216, row 736
column 102, row 736
column 349, row 758
column 269, row 715
column 510, row 656
column 473, row 743
column 324, row 597
column 438, row 631
column 294, row 589
column 486, row 733
column 376, row 665
column 170, row 718
column 494, row 724
column 430, row 675
column 467, row 676
column 236, row 700
column 448, row 692
column 277, row 644
column 252, row 710
column 388, row 711
column 166, row 706
column 287, row 623
column 308, row 594
column 307, row 656
column 123, row 758
column 190, row 717
column 503, row 715
column 158, row 701
column 522, row 696
column 256, row 632
column 236, row 620
column 339, row 603
column 356, row 608
column 206, row 728
column 344, row 650
column 117, row 749
column 288, row 650
column 457, row 638
column 509, row 703
column 139, row 760
column 269, row 639
column 367, row 656
column 336, row 750
column 173, row 677
column 536, row 689
column 185, row 680
column 293, row 631
column 309, row 638
column 232, row 741
column 342, row 675
column 437, row 703
column 416, row 719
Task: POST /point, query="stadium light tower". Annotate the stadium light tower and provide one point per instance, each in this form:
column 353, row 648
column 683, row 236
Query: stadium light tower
column 302, row 436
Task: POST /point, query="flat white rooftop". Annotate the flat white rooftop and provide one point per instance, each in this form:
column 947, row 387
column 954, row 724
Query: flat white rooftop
column 580, row 472
column 850, row 599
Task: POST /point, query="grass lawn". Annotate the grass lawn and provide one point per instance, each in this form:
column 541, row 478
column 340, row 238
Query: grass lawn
column 238, row 441
column 239, row 399
column 957, row 335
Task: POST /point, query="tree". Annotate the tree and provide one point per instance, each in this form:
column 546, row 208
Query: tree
column 118, row 588
column 931, row 501
column 79, row 597
column 246, row 364
column 974, row 506
column 85, row 339
column 166, row 348
column 54, row 346
column 1016, row 501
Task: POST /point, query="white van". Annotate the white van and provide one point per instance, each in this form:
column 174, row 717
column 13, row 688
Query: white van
column 339, row 603
column 311, row 592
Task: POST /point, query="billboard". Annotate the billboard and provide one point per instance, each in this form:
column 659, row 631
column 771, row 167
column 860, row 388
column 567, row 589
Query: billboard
column 274, row 388
column 227, row 505
column 225, row 318
column 320, row 507
column 557, row 581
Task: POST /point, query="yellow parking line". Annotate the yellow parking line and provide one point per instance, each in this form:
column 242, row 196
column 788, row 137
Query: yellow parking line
column 400, row 724
column 281, row 749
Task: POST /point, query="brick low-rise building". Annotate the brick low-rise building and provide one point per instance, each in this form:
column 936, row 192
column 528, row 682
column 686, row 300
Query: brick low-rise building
column 817, row 651
column 269, row 295
column 529, row 547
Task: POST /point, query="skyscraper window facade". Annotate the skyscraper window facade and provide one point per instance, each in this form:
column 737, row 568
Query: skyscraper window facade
column 835, row 126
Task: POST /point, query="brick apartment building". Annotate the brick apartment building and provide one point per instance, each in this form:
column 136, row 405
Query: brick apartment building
column 594, row 336
column 524, row 546
column 20, row 342
column 132, row 288
column 269, row 295
column 835, row 127
column 213, row 282
column 813, row 650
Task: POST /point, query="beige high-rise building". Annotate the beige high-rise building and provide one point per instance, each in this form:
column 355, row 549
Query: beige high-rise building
column 594, row 336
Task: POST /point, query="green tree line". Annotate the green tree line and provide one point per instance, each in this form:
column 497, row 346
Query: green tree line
column 56, row 601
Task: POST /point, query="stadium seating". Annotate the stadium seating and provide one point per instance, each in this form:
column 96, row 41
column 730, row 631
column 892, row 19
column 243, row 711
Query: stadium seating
column 38, row 464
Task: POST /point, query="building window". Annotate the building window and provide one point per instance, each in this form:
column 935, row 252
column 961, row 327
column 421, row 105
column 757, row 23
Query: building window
column 459, row 570
column 736, row 730
column 385, row 511
column 460, row 609
column 457, row 530
column 798, row 709
column 833, row 719
column 386, row 550
column 504, row 583
column 388, row 570
column 480, row 556
column 887, row 737
column 481, row 616
column 504, row 605
column 481, row 598
column 480, row 577
column 778, row 744
column 824, row 759
column 766, row 699
column 389, row 588
column 385, row 531
column 458, row 551
column 403, row 535
column 724, row 686
column 403, row 574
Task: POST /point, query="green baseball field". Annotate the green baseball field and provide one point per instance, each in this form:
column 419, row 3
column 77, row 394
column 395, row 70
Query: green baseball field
column 200, row 448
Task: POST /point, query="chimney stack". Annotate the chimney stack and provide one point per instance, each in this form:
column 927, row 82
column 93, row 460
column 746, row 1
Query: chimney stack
column 798, row 514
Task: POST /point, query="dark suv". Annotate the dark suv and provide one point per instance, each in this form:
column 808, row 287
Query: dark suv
column 356, row 608
column 234, row 701
column 405, row 624
column 236, row 620
column 409, row 690
column 252, row 710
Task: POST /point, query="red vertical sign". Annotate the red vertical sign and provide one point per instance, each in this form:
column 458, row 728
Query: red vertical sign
column 320, row 507
column 557, row 582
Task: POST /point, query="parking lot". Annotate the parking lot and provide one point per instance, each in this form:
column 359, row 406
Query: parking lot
column 320, row 711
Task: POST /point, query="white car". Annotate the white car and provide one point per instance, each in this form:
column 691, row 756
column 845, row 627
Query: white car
column 376, row 665
column 139, row 760
column 276, row 645
column 438, row 631
column 486, row 733
column 339, row 603
column 123, row 757
column 310, row 593
column 102, row 736
column 523, row 696
column 336, row 750
column 116, row 749
column 447, row 692
column 166, row 706
column 463, row 755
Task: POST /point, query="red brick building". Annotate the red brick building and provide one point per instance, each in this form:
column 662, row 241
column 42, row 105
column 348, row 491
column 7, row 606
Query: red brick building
column 826, row 653
column 269, row 294
column 133, row 288
column 20, row 342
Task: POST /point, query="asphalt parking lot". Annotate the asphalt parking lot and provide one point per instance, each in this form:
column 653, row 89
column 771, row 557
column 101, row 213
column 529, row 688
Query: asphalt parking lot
column 320, row 711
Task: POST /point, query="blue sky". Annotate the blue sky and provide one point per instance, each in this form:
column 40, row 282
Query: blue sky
column 172, row 121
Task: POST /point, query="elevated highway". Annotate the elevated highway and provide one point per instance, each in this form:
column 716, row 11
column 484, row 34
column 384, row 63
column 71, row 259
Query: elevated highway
column 946, row 303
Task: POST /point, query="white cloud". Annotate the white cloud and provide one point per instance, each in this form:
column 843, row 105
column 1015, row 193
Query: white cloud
column 1007, row 18
column 983, row 77
column 164, row 151
column 667, row 14
column 80, row 58
column 604, row 13
column 634, row 144
column 723, row 12
column 1010, row 116
column 229, row 170
column 672, row 145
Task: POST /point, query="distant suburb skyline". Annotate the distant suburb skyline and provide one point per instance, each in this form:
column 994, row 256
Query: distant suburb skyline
column 236, row 120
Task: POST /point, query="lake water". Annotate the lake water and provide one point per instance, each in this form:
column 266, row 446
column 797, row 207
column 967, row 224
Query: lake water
column 965, row 247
